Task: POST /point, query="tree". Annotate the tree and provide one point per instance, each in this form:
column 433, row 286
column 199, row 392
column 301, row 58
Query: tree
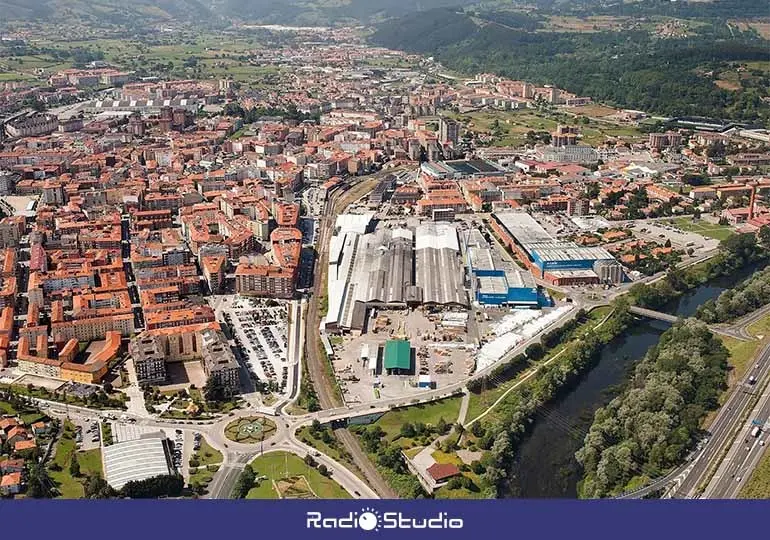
column 214, row 391
column 97, row 488
column 535, row 351
column 39, row 484
column 441, row 426
column 323, row 470
column 764, row 235
column 407, row 430
column 310, row 461
column 74, row 466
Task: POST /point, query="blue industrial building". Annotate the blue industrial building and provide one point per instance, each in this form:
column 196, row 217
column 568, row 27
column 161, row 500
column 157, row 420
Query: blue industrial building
column 497, row 282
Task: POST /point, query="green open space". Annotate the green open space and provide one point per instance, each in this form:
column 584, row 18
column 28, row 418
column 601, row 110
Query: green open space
column 704, row 228
column 428, row 413
column 90, row 461
column 284, row 467
column 207, row 455
column 510, row 128
column 201, row 477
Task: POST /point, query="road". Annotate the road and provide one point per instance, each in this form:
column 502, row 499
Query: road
column 723, row 428
column 745, row 453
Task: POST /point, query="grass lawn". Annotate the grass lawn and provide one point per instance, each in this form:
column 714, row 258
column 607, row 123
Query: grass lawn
column 429, row 413
column 208, row 455
column 758, row 486
column 90, row 462
column 741, row 355
column 203, row 476
column 277, row 466
column 703, row 228
column 760, row 328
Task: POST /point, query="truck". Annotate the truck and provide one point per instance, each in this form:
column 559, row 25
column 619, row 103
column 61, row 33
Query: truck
column 756, row 431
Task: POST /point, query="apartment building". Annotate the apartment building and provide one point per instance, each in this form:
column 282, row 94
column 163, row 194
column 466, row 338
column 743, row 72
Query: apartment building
column 265, row 280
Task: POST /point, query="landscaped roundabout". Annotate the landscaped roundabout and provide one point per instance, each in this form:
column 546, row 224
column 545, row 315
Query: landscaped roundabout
column 250, row 429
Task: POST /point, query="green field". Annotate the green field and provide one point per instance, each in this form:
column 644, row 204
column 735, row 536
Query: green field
column 514, row 125
column 90, row 462
column 709, row 230
column 277, row 466
column 205, row 56
column 428, row 414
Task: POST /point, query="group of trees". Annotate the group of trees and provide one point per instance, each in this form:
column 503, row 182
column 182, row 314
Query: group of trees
column 514, row 415
column 244, row 483
column 250, row 116
column 750, row 295
column 165, row 485
column 654, row 423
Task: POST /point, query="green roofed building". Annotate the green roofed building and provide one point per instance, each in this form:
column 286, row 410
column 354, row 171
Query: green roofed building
column 397, row 358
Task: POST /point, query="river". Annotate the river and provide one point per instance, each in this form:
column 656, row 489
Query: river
column 545, row 465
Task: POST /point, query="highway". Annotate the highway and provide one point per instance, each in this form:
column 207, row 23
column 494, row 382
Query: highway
column 746, row 451
column 686, row 480
column 723, row 428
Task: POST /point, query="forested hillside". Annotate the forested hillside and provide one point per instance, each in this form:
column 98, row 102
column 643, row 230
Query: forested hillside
column 631, row 68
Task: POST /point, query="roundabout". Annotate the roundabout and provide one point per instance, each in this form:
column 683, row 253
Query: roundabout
column 250, row 429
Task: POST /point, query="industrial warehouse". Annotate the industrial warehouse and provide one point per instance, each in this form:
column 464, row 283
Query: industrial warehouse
column 496, row 281
column 558, row 262
column 391, row 266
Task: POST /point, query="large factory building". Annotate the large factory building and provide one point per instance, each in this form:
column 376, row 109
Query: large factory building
column 495, row 281
column 556, row 261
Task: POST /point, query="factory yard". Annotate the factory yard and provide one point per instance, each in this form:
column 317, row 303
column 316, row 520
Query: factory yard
column 439, row 356
column 445, row 347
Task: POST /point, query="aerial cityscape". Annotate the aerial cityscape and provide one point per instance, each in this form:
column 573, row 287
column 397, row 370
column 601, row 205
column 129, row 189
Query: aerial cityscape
column 333, row 250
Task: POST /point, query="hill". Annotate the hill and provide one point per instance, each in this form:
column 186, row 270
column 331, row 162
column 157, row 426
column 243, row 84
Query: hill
column 635, row 66
column 286, row 12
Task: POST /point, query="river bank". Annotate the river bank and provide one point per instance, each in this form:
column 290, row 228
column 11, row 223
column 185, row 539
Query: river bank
column 545, row 465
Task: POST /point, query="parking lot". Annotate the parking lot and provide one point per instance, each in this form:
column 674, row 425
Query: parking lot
column 661, row 231
column 259, row 331
column 87, row 433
